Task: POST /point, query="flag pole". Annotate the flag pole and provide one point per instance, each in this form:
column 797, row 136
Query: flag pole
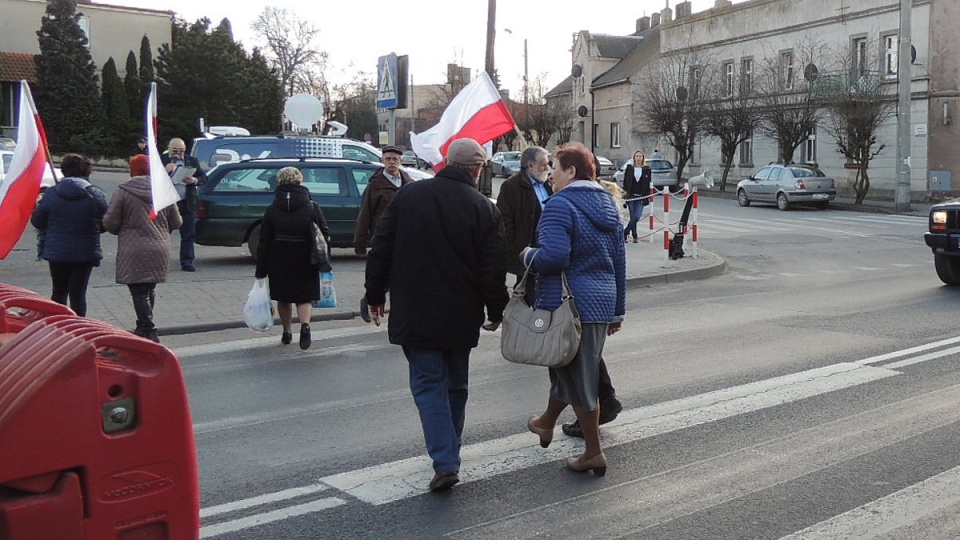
column 523, row 139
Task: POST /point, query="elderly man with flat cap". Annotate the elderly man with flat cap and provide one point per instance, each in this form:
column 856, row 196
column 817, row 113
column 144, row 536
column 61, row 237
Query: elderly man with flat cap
column 380, row 190
column 439, row 250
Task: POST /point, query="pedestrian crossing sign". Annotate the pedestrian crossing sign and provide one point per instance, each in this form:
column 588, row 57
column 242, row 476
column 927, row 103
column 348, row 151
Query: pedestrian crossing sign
column 387, row 81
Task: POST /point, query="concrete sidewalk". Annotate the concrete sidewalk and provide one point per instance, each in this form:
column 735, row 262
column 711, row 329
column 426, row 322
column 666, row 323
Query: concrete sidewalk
column 213, row 297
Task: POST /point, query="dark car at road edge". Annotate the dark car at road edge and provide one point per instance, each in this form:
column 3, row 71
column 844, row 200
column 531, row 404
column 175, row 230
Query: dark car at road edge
column 943, row 237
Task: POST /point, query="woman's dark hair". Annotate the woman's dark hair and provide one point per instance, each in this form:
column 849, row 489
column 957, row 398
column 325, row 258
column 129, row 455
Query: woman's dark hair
column 576, row 155
column 76, row 166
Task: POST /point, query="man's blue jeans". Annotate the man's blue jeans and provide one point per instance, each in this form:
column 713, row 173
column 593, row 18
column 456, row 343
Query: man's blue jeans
column 438, row 382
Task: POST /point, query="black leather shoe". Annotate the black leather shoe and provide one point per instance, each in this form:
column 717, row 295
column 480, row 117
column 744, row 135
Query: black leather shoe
column 364, row 309
column 572, row 430
column 610, row 408
column 286, row 338
column 304, row 336
column 188, row 268
column 444, row 481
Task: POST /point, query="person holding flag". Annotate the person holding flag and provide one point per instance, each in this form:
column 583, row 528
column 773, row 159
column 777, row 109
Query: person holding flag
column 143, row 245
column 69, row 217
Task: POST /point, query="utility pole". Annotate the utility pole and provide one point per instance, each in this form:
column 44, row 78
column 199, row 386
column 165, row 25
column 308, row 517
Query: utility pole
column 904, row 77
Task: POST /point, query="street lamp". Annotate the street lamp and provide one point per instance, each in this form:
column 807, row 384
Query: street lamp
column 525, row 80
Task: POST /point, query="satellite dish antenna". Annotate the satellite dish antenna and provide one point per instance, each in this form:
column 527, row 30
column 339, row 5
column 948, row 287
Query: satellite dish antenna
column 811, row 72
column 913, row 54
column 576, row 70
column 682, row 93
column 582, row 111
column 337, row 129
column 303, row 110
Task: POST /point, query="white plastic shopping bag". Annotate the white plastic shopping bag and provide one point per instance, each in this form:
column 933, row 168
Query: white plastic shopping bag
column 258, row 313
column 328, row 293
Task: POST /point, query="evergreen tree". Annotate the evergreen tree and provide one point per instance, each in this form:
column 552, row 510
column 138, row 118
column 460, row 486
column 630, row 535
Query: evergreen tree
column 66, row 92
column 147, row 73
column 135, row 96
column 207, row 75
column 116, row 110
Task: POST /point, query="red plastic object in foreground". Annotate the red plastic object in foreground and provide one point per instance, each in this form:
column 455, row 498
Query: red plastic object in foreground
column 96, row 441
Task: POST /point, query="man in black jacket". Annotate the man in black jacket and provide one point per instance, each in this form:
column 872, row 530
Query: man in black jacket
column 189, row 202
column 439, row 250
column 520, row 202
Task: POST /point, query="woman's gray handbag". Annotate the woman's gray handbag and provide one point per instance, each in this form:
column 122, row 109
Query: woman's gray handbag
column 318, row 246
column 539, row 337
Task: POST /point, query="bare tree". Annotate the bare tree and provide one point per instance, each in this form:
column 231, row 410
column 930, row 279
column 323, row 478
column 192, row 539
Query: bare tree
column 788, row 111
column 547, row 119
column 858, row 105
column 731, row 119
column 290, row 43
column 672, row 102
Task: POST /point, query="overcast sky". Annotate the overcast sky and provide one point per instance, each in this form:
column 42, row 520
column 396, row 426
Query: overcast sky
column 434, row 33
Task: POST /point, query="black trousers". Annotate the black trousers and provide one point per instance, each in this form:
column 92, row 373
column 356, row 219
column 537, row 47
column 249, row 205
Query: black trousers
column 70, row 280
column 144, row 297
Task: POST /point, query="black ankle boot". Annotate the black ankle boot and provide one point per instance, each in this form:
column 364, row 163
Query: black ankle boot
column 304, row 336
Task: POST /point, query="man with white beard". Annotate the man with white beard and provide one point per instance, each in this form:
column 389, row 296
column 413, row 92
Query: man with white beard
column 521, row 202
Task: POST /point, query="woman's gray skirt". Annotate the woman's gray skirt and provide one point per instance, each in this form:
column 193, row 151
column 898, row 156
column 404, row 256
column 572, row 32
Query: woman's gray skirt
column 576, row 383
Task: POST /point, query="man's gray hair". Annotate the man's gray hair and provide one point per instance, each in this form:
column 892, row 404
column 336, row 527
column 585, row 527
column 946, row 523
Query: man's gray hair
column 531, row 156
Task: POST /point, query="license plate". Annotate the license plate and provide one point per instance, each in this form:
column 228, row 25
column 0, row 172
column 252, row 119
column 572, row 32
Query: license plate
column 820, row 195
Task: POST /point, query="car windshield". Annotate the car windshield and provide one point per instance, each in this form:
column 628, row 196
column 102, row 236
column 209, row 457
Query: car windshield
column 806, row 172
column 660, row 165
column 513, row 156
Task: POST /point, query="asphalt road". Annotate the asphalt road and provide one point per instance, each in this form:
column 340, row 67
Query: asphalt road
column 809, row 392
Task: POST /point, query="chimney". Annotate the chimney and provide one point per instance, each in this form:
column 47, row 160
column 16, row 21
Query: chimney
column 643, row 23
column 723, row 3
column 684, row 9
column 666, row 15
column 654, row 20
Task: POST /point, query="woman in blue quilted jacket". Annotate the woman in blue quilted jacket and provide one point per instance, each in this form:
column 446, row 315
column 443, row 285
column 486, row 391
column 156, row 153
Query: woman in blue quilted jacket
column 581, row 235
column 69, row 218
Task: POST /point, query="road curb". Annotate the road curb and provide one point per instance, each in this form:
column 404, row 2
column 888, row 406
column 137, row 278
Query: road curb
column 715, row 267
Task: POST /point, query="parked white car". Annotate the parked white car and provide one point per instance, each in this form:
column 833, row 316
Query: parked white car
column 661, row 171
column 6, row 158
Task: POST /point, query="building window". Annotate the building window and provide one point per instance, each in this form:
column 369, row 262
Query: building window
column 595, row 137
column 696, row 73
column 808, row 150
column 859, row 55
column 84, row 23
column 728, row 78
column 746, row 76
column 746, row 152
column 891, row 56
column 9, row 103
column 615, row 135
column 786, row 70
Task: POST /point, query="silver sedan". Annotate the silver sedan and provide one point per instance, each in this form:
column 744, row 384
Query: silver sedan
column 786, row 185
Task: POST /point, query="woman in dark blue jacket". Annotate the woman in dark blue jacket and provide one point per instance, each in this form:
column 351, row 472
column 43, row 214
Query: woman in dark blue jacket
column 580, row 235
column 69, row 218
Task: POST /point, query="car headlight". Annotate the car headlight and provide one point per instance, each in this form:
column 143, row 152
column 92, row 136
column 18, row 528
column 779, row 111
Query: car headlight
column 939, row 217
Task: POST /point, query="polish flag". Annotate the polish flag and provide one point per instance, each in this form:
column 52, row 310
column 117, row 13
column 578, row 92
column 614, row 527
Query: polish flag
column 21, row 185
column 478, row 112
column 161, row 187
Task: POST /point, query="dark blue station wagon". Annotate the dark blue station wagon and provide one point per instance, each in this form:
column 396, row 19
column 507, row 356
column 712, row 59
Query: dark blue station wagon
column 235, row 196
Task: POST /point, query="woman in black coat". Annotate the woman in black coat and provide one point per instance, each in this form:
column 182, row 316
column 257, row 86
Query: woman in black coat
column 636, row 184
column 283, row 254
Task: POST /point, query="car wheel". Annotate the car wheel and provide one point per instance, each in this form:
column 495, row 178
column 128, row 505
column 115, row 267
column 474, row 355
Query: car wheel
column 823, row 205
column 782, row 202
column 253, row 241
column 948, row 268
column 742, row 198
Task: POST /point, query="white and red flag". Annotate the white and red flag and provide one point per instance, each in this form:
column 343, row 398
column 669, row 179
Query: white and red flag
column 161, row 187
column 477, row 112
column 21, row 185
